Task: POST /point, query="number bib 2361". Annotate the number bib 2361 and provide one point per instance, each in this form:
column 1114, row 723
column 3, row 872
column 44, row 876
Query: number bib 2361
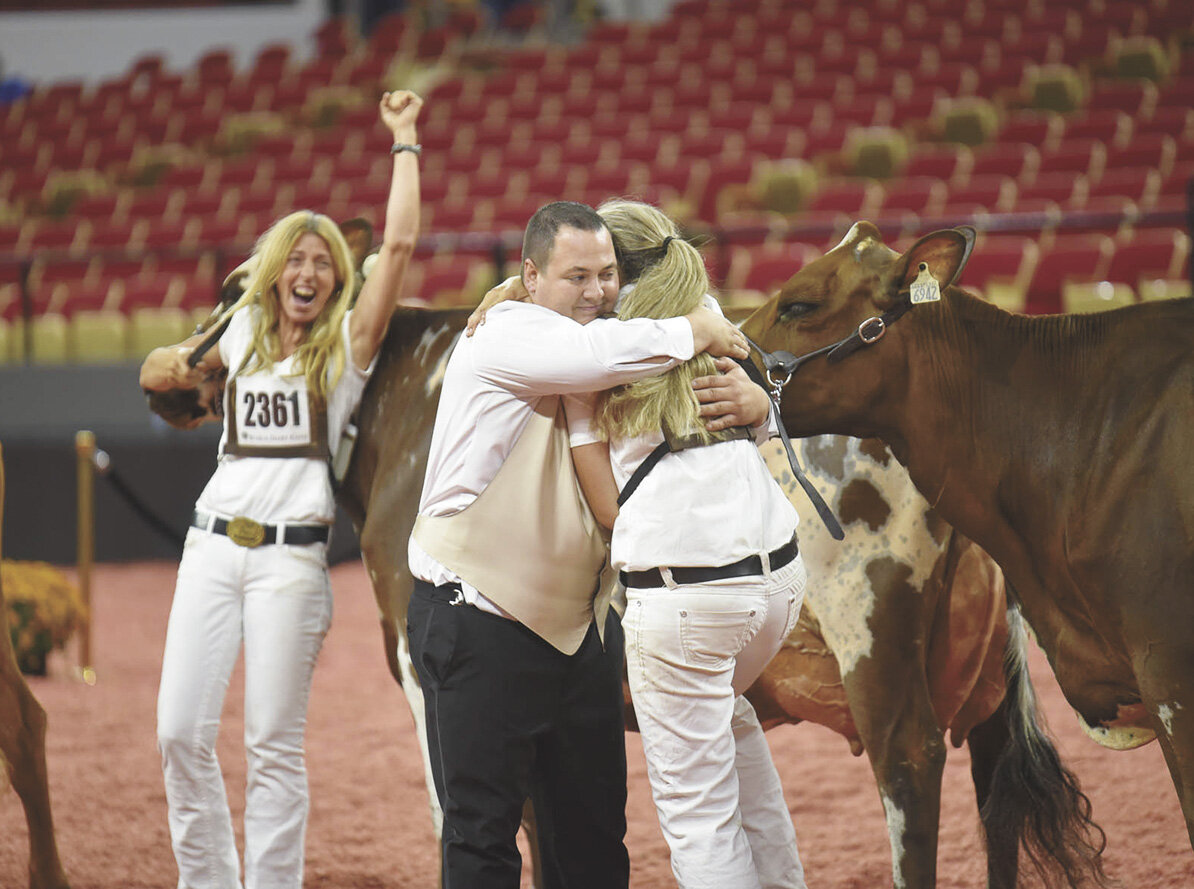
column 274, row 417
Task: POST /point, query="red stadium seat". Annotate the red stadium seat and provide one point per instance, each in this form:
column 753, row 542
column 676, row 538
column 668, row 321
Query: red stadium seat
column 1177, row 122
column 1139, row 184
column 147, row 291
column 941, row 160
column 58, row 236
column 99, row 207
column 123, row 235
column 214, row 68
column 1130, row 96
column 922, row 195
column 1080, row 157
column 444, row 279
column 513, row 214
column 74, row 271
column 765, row 267
column 916, row 106
column 1079, row 258
column 842, row 199
column 829, row 140
column 1019, row 160
column 1150, row 253
column 1057, row 187
column 998, row 256
column 1156, row 151
column 69, row 297
column 1032, row 126
column 1089, row 46
column 1110, row 126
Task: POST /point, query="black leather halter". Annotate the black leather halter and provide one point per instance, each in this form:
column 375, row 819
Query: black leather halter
column 779, row 366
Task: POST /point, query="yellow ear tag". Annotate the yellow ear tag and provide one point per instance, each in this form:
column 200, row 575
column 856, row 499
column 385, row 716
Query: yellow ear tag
column 925, row 288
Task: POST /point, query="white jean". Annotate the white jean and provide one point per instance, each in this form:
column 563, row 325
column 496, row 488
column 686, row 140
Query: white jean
column 278, row 601
column 691, row 651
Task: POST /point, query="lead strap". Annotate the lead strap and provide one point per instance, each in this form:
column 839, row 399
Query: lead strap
column 827, row 517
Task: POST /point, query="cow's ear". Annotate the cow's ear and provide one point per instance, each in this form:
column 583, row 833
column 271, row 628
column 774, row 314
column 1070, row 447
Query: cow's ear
column 943, row 253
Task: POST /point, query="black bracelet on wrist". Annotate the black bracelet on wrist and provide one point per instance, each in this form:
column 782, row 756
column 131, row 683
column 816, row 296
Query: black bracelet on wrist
column 398, row 147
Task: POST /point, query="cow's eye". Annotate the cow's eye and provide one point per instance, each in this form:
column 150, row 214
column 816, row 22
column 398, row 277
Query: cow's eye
column 795, row 310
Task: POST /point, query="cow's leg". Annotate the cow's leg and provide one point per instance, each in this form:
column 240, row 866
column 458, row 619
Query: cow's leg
column 398, row 657
column 1163, row 668
column 893, row 709
column 1026, row 796
column 1178, row 747
column 22, row 743
column 987, row 742
column 383, row 550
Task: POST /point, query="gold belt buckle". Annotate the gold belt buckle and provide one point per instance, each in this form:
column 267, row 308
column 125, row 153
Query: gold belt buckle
column 245, row 532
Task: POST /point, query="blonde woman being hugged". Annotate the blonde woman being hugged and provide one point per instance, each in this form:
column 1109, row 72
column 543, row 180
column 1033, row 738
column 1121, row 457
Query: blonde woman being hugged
column 706, row 547
column 254, row 568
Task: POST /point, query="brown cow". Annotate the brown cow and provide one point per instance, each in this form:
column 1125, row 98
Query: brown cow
column 1058, row 443
column 23, row 751
column 896, row 697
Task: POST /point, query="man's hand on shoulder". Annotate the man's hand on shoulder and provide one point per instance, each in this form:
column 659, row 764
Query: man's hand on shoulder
column 731, row 398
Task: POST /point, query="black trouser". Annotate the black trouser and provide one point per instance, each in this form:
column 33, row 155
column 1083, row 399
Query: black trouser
column 510, row 717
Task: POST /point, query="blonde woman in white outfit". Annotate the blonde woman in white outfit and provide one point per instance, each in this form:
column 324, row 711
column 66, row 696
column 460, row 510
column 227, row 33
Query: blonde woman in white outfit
column 254, row 568
column 706, row 547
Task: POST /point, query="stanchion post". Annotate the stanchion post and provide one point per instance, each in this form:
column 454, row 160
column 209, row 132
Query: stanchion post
column 85, row 537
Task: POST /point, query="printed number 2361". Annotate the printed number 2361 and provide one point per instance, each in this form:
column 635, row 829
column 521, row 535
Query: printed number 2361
column 280, row 409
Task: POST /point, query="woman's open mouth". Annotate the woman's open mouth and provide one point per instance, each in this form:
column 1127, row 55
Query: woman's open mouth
column 304, row 295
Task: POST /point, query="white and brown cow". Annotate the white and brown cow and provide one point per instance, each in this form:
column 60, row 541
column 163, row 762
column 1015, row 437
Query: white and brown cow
column 1060, row 443
column 23, row 753
column 912, row 612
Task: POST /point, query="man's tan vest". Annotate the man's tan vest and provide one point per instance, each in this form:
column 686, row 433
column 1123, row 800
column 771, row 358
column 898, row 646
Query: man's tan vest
column 529, row 543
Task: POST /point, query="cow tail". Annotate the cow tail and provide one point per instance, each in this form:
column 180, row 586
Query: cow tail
column 1035, row 802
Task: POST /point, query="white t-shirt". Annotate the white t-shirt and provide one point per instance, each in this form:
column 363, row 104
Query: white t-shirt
column 696, row 508
column 279, row 489
column 495, row 378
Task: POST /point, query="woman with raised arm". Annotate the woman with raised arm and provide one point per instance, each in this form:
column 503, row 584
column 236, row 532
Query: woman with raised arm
column 297, row 354
column 704, row 540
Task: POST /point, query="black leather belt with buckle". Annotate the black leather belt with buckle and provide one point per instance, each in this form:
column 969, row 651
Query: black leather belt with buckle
column 249, row 533
column 749, row 567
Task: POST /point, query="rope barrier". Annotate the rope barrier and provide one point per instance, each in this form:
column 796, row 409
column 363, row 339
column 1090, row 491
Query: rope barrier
column 103, row 465
column 90, row 461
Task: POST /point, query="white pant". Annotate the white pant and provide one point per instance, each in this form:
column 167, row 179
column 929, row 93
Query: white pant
column 690, row 653
column 277, row 599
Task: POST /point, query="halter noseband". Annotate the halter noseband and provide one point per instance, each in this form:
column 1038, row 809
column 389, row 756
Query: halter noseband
column 779, row 366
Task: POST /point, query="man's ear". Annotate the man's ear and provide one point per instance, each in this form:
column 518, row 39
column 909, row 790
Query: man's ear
column 530, row 276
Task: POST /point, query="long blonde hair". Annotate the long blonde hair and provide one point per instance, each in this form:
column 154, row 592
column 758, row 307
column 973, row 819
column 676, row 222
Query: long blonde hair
column 322, row 349
column 670, row 280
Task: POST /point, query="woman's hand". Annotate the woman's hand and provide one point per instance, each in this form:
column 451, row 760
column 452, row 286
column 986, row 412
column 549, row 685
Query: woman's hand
column 167, row 368
column 511, row 288
column 712, row 333
column 399, row 112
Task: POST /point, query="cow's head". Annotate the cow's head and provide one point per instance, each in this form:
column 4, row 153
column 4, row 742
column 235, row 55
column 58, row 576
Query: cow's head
column 827, row 300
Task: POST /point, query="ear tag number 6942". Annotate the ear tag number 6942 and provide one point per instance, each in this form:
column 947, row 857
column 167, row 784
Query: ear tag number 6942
column 925, row 288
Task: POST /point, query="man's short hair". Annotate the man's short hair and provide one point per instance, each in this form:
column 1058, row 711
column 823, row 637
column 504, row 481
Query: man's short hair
column 540, row 235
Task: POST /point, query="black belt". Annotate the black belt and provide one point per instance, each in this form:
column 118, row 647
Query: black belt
column 447, row 592
column 748, row 567
column 246, row 532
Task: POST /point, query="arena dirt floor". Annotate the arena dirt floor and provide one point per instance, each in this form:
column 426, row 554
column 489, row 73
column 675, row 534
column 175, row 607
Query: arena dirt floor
column 369, row 826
